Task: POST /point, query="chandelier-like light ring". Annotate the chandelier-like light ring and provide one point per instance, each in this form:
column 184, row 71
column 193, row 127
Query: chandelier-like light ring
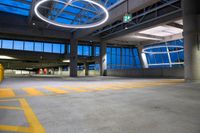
column 95, row 24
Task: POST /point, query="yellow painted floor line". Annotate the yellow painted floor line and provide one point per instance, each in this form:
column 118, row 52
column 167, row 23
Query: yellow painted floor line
column 10, row 108
column 15, row 128
column 33, row 92
column 8, row 100
column 5, row 93
column 56, row 90
column 35, row 125
column 100, row 89
column 75, row 89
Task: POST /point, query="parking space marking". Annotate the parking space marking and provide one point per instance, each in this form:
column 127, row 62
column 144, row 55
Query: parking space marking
column 33, row 92
column 15, row 128
column 5, row 93
column 55, row 90
column 35, row 126
column 75, row 89
column 10, row 108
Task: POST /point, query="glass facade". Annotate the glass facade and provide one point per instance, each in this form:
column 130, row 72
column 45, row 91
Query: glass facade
column 122, row 58
column 167, row 54
column 32, row 46
column 16, row 7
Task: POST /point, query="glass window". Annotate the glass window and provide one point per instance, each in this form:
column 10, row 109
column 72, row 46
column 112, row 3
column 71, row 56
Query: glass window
column 86, row 51
column 97, row 51
column 18, row 45
column 48, row 47
column 7, row 44
column 39, row 46
column 156, row 60
column 80, row 50
column 62, row 49
column 56, row 48
column 28, row 46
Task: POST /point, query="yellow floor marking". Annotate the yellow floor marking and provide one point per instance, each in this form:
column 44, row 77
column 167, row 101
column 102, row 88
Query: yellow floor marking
column 33, row 92
column 10, row 108
column 5, row 93
column 35, row 125
column 75, row 89
column 8, row 100
column 100, row 89
column 56, row 90
column 15, row 128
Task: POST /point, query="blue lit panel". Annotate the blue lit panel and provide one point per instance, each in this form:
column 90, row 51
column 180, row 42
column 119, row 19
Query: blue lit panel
column 15, row 7
column 48, row 47
column 56, row 48
column 18, row 45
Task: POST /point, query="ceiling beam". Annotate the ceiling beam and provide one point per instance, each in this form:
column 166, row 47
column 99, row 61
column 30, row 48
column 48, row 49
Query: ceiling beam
column 31, row 13
column 117, row 12
column 176, row 25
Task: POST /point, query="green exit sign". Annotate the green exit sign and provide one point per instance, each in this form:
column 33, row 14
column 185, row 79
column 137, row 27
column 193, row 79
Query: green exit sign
column 127, row 18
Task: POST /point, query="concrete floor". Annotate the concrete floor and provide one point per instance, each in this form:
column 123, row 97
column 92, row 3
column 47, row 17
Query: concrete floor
column 110, row 105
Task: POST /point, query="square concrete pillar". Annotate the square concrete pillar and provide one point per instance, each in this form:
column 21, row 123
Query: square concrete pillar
column 73, row 56
column 103, row 59
column 191, row 27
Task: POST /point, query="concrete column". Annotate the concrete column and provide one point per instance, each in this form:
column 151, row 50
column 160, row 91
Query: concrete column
column 103, row 60
column 66, row 50
column 142, row 57
column 73, row 56
column 191, row 24
column 86, row 65
column 59, row 70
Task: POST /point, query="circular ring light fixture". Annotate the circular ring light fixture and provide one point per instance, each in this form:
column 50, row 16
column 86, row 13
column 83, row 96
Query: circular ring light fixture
column 145, row 50
column 95, row 24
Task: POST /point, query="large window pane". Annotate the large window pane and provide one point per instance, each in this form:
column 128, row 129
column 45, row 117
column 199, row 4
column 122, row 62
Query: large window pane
column 56, row 48
column 18, row 45
column 62, row 47
column 97, row 51
column 86, row 51
column 39, row 46
column 80, row 50
column 48, row 47
column 28, row 46
column 7, row 44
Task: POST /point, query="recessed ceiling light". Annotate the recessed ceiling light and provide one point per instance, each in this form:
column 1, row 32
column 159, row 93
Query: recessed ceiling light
column 147, row 38
column 5, row 57
column 33, row 24
column 66, row 61
column 162, row 31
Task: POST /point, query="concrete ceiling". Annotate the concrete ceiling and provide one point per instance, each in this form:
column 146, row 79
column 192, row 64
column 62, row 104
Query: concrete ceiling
column 139, row 37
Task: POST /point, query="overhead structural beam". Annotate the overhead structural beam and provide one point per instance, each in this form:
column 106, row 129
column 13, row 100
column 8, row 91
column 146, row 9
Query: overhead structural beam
column 117, row 12
column 164, row 15
column 31, row 13
column 176, row 25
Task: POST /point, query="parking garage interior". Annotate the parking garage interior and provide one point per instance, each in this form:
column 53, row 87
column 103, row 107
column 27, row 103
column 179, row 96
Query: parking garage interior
column 99, row 66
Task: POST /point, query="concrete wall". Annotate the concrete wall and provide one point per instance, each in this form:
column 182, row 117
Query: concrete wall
column 150, row 72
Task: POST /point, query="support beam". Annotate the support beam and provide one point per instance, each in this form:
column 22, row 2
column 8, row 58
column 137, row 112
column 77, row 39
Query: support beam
column 86, row 65
column 73, row 56
column 175, row 25
column 191, row 28
column 117, row 13
column 103, row 59
column 31, row 13
column 142, row 57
